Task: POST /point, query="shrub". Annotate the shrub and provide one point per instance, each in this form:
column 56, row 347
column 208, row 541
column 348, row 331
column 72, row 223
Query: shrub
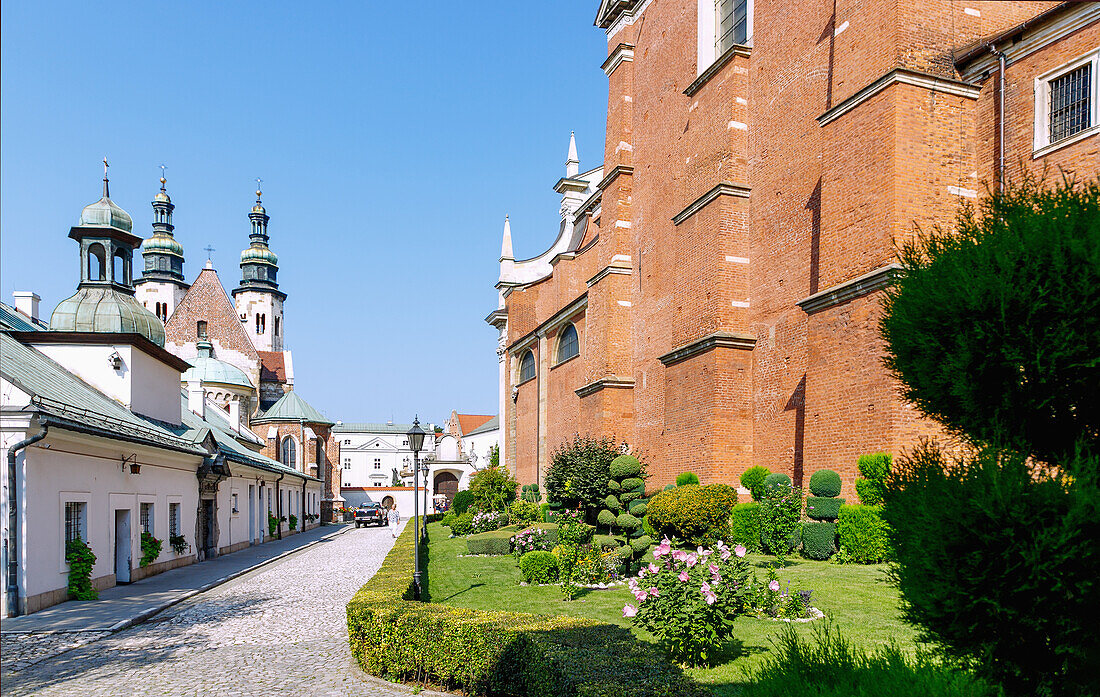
column 776, row 480
column 818, row 508
column 627, row 522
column 530, row 492
column 633, row 484
column 462, row 501
column 825, row 483
column 293, row 522
column 493, row 489
column 639, row 545
column 81, row 559
column 539, row 567
column 818, row 539
column 272, row 524
column 745, row 525
column 687, row 478
column 523, row 512
column 627, row 496
column 606, row 518
column 780, row 511
column 497, row 542
column 863, row 534
column 487, row 521
column 638, row 508
column 626, row 466
column 607, row 542
column 873, row 470
column 753, row 480
column 613, row 486
column 579, row 472
column 150, row 549
column 447, row 519
column 993, row 327
column 997, row 562
column 693, row 513
column 612, row 503
column 544, row 512
column 178, row 543
column 669, row 487
column 830, row 666
column 532, row 540
column 483, row 653
column 462, row 524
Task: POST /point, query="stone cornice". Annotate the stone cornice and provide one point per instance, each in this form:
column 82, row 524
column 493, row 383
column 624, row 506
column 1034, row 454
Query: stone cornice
column 611, row 382
column 706, row 75
column 613, row 268
column 902, row 76
column 1026, row 38
column 733, row 340
column 560, row 317
column 623, row 53
column 720, row 189
column 843, row 292
column 613, row 175
column 568, row 184
column 497, row 317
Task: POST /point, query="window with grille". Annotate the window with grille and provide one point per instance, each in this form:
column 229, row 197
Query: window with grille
column 173, row 519
column 200, row 329
column 568, row 344
column 377, row 463
column 347, row 464
column 1069, row 103
column 527, row 367
column 75, row 521
column 731, row 24
column 146, row 511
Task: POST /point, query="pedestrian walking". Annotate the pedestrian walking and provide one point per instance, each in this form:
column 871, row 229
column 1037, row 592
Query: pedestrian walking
column 394, row 519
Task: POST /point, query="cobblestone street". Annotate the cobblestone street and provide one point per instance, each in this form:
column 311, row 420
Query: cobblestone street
column 279, row 630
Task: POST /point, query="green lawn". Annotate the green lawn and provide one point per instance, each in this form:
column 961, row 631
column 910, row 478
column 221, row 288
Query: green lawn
column 856, row 598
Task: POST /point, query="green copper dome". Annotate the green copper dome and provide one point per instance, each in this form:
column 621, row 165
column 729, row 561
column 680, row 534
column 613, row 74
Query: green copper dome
column 208, row 369
column 104, row 309
column 259, row 255
column 106, row 213
column 162, row 244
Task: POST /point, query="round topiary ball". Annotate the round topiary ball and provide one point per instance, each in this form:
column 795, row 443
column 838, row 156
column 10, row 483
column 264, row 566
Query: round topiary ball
column 638, row 509
column 625, row 553
column 825, row 483
column 687, row 478
column 633, row 484
column 613, row 485
column 625, row 466
column 606, row 517
column 626, row 521
column 776, row 480
column 612, row 502
column 669, row 487
column 640, row 544
column 627, row 496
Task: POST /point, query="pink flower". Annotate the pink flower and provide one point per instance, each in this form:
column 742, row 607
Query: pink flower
column 654, row 592
column 679, row 555
column 706, row 587
column 629, row 610
column 683, row 577
column 710, row 598
column 653, row 568
column 641, row 573
column 740, row 550
column 725, row 554
column 691, row 560
column 713, row 568
column 774, row 585
column 662, row 548
column 632, row 584
column 640, row 595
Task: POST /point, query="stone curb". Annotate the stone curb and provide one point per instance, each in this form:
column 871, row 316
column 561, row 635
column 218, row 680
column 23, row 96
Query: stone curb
column 401, row 687
column 148, row 613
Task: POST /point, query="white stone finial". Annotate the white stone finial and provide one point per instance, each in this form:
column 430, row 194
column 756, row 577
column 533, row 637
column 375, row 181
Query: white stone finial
column 572, row 163
column 506, row 243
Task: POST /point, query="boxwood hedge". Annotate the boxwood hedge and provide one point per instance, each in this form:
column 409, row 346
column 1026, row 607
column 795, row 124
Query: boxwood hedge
column 498, row 653
column 823, row 508
column 493, row 542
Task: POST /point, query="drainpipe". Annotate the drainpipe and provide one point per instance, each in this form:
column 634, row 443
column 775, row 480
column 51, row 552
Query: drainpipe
column 11, row 545
column 1000, row 117
column 279, row 507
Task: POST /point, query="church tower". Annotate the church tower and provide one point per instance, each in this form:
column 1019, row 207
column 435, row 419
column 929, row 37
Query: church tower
column 258, row 298
column 162, row 284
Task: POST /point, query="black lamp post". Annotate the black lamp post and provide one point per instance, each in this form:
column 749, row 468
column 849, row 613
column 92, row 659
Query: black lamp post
column 416, row 442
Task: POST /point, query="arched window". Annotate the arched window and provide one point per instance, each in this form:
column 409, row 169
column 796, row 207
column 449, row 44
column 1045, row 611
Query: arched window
column 288, row 453
column 261, row 323
column 527, row 367
column 97, row 262
column 120, row 267
column 200, row 329
column 568, row 345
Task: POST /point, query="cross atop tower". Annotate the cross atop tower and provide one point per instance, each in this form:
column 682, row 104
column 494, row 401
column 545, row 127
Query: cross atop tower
column 106, row 190
column 209, row 252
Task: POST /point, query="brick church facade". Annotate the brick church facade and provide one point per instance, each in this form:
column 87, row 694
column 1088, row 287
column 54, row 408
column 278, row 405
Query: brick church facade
column 713, row 294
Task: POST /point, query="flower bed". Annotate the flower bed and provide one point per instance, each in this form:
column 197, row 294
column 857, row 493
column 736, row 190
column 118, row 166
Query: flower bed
column 496, row 652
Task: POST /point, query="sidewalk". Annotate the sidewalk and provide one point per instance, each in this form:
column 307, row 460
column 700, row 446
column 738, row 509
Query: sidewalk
column 124, row 606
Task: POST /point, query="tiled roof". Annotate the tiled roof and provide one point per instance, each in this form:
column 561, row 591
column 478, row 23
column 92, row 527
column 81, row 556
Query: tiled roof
column 469, row 422
column 292, row 408
column 490, row 425
column 272, row 366
column 372, row 428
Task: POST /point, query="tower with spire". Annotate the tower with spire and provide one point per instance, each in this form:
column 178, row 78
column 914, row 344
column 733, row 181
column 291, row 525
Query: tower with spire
column 162, row 286
column 258, row 298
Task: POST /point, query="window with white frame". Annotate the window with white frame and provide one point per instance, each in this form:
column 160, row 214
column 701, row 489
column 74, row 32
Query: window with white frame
column 173, row 519
column 378, row 483
column 76, row 521
column 347, row 463
column 1066, row 102
column 377, row 463
column 731, row 23
column 146, row 512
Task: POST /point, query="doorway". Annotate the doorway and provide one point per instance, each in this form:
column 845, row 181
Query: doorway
column 251, row 514
column 446, row 483
column 209, row 539
column 123, row 546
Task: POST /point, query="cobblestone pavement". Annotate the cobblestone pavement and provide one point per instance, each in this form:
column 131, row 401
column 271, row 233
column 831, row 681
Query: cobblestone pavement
column 279, row 630
column 21, row 651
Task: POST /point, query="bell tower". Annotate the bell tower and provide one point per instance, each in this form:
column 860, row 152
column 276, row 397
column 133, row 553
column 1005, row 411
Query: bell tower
column 162, row 286
column 258, row 298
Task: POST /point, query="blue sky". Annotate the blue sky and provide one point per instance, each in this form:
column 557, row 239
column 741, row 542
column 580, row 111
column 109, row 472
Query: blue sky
column 392, row 138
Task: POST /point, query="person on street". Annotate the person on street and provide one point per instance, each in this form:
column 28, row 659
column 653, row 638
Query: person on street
column 394, row 519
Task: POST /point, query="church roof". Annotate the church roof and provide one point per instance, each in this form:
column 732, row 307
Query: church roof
column 10, row 318
column 469, row 422
column 104, row 309
column 106, row 213
column 292, row 408
column 491, row 425
column 272, row 366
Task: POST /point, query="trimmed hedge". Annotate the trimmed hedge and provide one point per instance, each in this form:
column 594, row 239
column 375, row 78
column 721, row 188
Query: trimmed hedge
column 863, row 534
column 753, row 480
column 498, row 653
column 818, row 539
column 539, row 567
column 686, row 479
column 745, row 525
column 494, row 542
column 776, row 479
column 821, row 508
column 695, row 514
column 825, row 483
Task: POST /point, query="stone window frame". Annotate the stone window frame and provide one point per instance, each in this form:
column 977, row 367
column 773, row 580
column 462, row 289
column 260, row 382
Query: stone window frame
column 558, row 357
column 708, row 38
column 1041, row 145
column 523, row 362
column 295, row 453
column 83, row 499
column 146, row 519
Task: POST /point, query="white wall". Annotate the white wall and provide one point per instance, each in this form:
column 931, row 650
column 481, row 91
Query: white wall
column 390, row 449
column 479, row 445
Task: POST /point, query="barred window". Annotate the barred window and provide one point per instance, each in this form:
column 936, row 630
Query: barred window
column 732, row 26
column 147, row 518
column 527, row 367
column 568, row 344
column 173, row 519
column 377, row 463
column 75, row 521
column 1069, row 103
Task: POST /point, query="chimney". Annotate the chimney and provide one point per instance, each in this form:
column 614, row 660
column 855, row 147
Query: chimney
column 196, row 401
column 235, row 415
column 27, row 303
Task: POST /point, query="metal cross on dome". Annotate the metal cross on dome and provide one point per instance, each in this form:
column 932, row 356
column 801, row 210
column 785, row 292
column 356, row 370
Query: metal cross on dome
column 209, row 252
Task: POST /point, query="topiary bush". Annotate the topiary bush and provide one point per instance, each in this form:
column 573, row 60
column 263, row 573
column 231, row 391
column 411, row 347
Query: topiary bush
column 612, row 503
column 462, row 502
column 818, row 539
column 495, row 542
column 579, row 471
column 686, row 478
column 539, row 567
column 780, row 512
column 776, row 480
column 825, row 483
column 745, row 525
column 523, row 513
column 818, row 508
column 753, row 480
column 627, row 523
column 863, row 534
column 873, row 471
column 639, row 545
column 613, row 486
column 638, row 508
column 606, row 518
column 695, row 514
column 625, row 466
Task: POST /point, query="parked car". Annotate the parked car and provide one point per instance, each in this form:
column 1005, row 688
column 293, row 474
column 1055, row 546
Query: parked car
column 370, row 514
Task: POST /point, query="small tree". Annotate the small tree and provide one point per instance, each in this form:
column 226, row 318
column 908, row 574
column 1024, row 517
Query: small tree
column 493, row 489
column 579, row 472
column 494, row 455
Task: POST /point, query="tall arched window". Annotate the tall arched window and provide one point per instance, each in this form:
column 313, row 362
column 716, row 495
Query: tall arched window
column 568, row 344
column 97, row 262
column 527, row 366
column 120, row 267
column 287, row 453
column 261, row 323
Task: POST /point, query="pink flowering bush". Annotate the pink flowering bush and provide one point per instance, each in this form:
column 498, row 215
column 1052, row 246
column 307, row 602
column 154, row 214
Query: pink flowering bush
column 531, row 540
column 486, row 522
column 689, row 600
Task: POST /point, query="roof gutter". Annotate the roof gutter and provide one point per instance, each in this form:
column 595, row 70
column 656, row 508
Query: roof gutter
column 1000, row 117
column 11, row 542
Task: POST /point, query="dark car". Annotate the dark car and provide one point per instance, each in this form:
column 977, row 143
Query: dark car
column 370, row 514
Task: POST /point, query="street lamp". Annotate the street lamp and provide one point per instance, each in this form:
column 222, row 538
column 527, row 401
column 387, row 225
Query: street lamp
column 416, row 442
column 424, row 530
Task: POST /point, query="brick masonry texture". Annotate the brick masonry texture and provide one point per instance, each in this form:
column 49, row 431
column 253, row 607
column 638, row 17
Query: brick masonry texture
column 826, row 203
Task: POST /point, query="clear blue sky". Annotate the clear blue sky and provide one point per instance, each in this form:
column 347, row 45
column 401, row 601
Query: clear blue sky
column 392, row 138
